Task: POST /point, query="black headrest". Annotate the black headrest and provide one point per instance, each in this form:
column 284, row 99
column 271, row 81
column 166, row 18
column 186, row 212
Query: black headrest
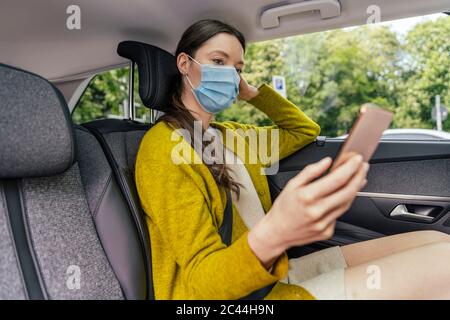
column 36, row 135
column 157, row 69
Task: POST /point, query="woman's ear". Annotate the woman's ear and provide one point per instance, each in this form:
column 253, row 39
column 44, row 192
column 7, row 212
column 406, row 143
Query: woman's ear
column 183, row 63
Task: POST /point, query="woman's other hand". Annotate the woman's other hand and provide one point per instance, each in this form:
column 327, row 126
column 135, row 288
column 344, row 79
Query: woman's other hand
column 246, row 91
column 307, row 208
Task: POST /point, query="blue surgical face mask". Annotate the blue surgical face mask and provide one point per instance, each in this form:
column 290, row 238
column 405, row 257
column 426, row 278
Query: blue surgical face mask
column 218, row 88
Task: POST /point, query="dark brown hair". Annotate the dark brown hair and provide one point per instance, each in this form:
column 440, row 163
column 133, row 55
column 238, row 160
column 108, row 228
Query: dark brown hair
column 178, row 115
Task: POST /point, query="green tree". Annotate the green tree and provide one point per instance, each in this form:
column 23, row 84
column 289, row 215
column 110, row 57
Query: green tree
column 427, row 56
column 329, row 75
column 335, row 72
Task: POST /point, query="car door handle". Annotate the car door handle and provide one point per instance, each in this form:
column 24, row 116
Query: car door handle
column 401, row 211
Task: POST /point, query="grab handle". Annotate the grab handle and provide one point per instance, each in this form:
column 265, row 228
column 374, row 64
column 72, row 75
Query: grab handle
column 328, row 9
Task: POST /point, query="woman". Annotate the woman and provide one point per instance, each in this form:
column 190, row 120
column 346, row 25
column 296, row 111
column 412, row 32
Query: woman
column 184, row 199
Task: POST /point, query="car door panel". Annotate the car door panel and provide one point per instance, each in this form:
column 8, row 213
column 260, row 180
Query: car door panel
column 413, row 176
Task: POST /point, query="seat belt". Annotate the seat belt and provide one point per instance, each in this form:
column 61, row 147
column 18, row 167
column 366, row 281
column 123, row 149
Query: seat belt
column 226, row 228
column 225, row 232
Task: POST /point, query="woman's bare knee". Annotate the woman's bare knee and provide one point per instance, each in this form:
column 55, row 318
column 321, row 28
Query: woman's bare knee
column 418, row 273
column 431, row 236
column 442, row 248
column 365, row 251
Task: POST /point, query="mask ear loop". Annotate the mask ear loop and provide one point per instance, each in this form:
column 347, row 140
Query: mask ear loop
column 194, row 60
column 190, row 83
column 186, row 75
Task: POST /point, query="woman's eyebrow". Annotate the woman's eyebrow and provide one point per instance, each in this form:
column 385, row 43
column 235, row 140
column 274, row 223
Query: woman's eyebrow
column 225, row 55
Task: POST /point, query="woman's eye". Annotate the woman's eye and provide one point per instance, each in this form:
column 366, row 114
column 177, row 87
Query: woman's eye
column 218, row 61
column 221, row 62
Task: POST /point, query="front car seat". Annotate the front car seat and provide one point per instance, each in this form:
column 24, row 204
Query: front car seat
column 65, row 230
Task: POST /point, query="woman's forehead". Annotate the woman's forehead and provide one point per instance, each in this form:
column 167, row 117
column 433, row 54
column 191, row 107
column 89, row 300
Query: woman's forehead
column 239, row 60
column 226, row 45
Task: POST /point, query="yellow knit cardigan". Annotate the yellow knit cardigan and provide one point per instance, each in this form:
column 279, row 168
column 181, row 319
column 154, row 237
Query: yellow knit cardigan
column 184, row 209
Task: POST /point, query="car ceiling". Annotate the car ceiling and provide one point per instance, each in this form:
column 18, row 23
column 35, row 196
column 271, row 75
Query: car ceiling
column 33, row 34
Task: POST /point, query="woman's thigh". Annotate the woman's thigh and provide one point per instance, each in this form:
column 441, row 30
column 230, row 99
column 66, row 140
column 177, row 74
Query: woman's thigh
column 418, row 273
column 365, row 251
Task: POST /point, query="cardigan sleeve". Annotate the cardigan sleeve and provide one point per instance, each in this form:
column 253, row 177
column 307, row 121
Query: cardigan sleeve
column 295, row 129
column 177, row 203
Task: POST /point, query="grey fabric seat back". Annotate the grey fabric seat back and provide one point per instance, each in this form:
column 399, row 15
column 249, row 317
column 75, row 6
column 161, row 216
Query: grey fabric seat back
column 66, row 256
column 68, row 253
column 49, row 246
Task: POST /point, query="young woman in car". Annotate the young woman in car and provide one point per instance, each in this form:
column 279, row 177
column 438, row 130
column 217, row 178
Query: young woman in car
column 184, row 202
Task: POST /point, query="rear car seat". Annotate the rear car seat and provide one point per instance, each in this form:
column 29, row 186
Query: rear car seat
column 120, row 141
column 123, row 238
column 66, row 231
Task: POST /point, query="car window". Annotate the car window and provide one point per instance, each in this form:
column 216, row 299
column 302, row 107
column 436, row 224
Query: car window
column 400, row 65
column 403, row 66
column 106, row 97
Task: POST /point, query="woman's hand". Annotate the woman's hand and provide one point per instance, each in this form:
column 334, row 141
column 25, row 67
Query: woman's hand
column 246, row 91
column 306, row 210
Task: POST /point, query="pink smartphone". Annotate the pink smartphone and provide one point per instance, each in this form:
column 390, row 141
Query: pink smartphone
column 365, row 134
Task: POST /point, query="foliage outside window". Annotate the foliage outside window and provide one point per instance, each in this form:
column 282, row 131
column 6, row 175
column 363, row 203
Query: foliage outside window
column 107, row 97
